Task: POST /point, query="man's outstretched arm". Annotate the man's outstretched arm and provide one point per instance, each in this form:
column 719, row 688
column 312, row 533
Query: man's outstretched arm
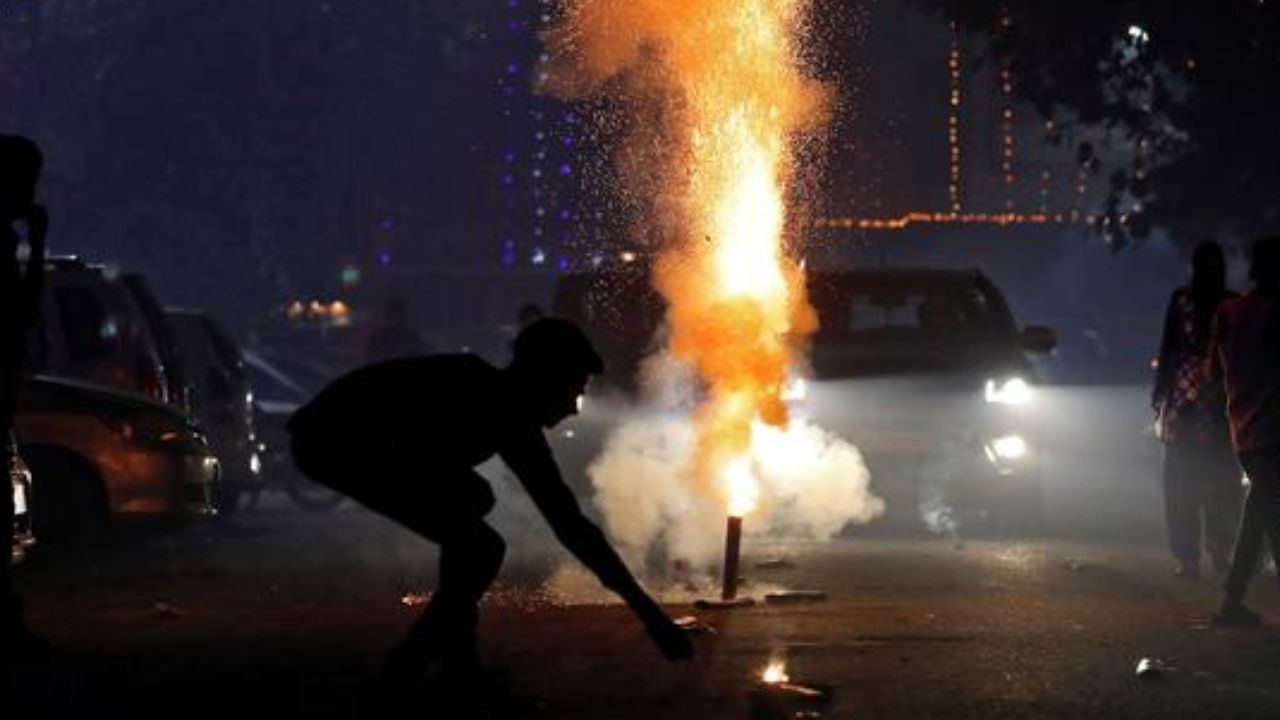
column 541, row 478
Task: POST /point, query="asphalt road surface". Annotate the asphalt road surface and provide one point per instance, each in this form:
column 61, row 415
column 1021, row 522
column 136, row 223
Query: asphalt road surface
column 289, row 611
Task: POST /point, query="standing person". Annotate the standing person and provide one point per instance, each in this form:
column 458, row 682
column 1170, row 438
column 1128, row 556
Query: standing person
column 1245, row 352
column 402, row 437
column 20, row 290
column 1201, row 477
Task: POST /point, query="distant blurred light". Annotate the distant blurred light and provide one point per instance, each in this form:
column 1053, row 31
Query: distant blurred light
column 539, row 257
column 350, row 275
column 566, row 169
column 1139, row 35
column 384, row 257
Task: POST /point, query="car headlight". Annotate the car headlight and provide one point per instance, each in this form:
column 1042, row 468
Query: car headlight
column 1009, row 447
column 1009, row 391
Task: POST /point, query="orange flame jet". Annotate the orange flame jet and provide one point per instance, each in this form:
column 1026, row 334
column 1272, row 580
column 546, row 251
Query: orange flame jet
column 735, row 102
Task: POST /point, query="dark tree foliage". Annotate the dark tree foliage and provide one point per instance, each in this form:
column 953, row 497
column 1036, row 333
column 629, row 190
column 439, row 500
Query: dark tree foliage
column 1190, row 88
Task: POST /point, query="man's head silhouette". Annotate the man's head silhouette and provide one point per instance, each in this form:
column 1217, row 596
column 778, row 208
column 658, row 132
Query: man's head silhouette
column 552, row 359
column 20, row 163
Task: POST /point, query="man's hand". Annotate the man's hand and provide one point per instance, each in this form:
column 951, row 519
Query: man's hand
column 669, row 637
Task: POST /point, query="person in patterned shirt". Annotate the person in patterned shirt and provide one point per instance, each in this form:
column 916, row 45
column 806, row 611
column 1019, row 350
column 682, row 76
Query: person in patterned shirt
column 1201, row 476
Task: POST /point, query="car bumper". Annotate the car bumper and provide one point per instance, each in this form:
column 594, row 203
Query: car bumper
column 167, row 485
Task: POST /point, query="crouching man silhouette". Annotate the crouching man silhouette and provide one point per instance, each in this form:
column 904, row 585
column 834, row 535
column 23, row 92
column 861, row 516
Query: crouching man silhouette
column 402, row 437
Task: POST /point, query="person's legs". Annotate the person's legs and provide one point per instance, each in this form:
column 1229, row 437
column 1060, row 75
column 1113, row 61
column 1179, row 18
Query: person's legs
column 1266, row 466
column 1261, row 512
column 1181, row 506
column 447, row 508
column 9, row 605
column 469, row 562
column 16, row 639
column 1221, row 502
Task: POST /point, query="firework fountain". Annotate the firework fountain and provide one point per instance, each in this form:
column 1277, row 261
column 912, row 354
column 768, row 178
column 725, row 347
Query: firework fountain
column 733, row 106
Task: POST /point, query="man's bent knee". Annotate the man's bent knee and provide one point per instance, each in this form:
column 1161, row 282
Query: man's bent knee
column 487, row 545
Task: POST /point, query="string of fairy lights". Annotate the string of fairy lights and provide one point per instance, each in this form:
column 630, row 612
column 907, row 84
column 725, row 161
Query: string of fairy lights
column 1008, row 141
column 954, row 101
column 1006, row 153
column 537, row 169
column 1046, row 173
column 900, row 222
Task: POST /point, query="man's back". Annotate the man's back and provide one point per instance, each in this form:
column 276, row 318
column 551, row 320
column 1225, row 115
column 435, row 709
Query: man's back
column 446, row 409
column 1247, row 353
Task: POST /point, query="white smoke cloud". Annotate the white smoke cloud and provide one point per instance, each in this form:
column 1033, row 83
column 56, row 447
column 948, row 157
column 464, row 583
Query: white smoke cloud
column 816, row 482
column 813, row 485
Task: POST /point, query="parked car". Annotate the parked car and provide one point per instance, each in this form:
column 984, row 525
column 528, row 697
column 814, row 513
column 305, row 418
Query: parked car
column 178, row 390
column 221, row 400
column 100, row 456
column 91, row 328
column 278, row 393
column 20, row 478
column 925, row 371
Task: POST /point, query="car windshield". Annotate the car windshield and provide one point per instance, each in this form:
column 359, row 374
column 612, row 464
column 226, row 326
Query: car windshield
column 909, row 323
column 869, row 322
column 896, row 314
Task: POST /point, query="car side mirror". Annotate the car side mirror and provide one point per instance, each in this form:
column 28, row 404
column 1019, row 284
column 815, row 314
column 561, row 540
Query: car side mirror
column 1038, row 339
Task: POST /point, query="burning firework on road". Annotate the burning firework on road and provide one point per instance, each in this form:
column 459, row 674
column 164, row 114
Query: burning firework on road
column 735, row 105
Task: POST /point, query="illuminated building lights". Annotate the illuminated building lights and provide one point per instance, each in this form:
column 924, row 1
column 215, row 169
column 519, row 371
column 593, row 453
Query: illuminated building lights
column 942, row 218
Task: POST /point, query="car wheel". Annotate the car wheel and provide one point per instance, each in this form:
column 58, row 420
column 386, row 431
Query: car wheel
column 226, row 497
column 68, row 500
